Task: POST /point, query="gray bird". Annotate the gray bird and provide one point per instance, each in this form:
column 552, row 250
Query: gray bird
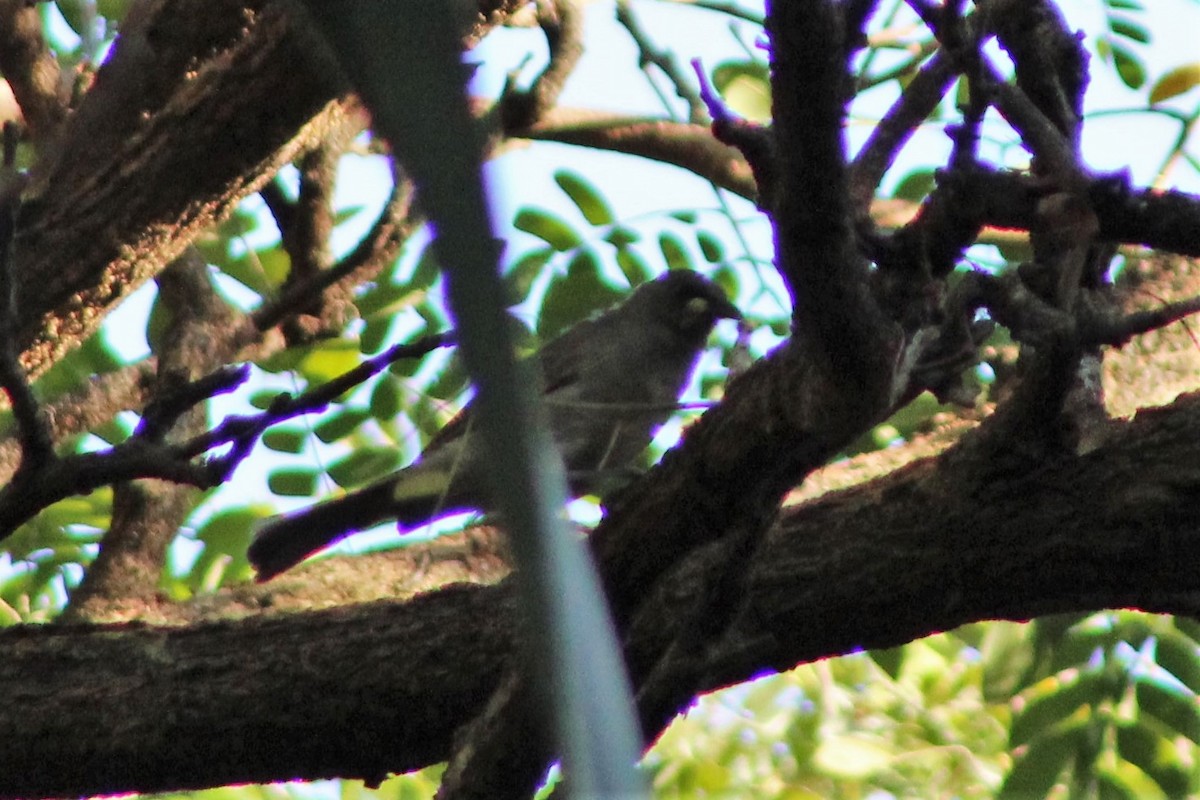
column 607, row 384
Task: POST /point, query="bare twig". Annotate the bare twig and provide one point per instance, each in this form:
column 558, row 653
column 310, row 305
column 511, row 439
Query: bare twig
column 650, row 54
column 32, row 429
column 918, row 100
column 756, row 142
column 562, row 23
column 241, row 432
column 374, row 251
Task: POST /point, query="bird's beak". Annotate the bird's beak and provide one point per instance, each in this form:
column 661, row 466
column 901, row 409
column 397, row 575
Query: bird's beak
column 714, row 305
column 721, row 308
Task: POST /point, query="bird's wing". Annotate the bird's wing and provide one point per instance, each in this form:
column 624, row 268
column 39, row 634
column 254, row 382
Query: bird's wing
column 558, row 363
column 452, row 430
column 561, row 360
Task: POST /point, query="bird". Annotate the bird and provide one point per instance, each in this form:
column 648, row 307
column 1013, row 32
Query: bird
column 607, row 384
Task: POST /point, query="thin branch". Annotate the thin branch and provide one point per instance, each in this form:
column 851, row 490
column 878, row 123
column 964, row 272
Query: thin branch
column 373, row 253
column 649, row 54
column 691, row 147
column 82, row 409
column 242, row 431
column 756, row 142
column 562, row 23
column 918, row 100
column 33, row 431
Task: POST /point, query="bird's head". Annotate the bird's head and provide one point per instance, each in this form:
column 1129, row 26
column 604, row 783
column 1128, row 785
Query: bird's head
column 686, row 301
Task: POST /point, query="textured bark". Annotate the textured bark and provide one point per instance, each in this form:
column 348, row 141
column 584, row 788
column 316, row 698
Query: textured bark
column 99, row 710
column 937, row 544
column 199, row 103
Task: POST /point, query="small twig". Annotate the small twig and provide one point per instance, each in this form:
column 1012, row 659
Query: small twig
column 242, row 431
column 377, row 249
column 83, row 408
column 1119, row 332
column 142, row 457
column 918, row 100
column 33, row 431
column 162, row 412
column 649, row 54
column 562, row 23
column 756, row 142
column 730, row 9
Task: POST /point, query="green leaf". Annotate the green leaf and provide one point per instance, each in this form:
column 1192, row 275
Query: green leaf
column 228, row 531
column 450, row 383
column 635, row 268
column 890, row 660
column 364, row 465
column 1180, row 656
column 386, row 401
column 915, row 186
column 328, row 360
column 375, row 334
column 1037, row 771
column 1154, row 755
column 384, row 299
column 285, row 440
column 262, row 400
column 746, row 88
column 580, row 293
column 585, row 196
column 853, row 756
column 1129, row 29
column 1130, row 68
column 260, row 271
column 711, row 246
column 340, row 424
column 293, row 482
column 1055, row 704
column 73, row 14
column 1124, row 781
column 1175, row 82
column 1188, row 627
column 113, row 9
column 426, row 271
column 1178, row 712
column 522, row 273
column 550, row 228
column 674, row 251
column 622, row 237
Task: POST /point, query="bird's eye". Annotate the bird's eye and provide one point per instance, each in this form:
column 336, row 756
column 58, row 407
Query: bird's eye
column 697, row 306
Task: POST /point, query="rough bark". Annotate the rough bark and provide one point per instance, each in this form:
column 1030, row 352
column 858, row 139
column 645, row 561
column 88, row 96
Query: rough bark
column 316, row 695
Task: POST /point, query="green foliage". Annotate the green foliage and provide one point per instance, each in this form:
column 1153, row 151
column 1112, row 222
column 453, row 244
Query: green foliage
column 1088, row 706
column 746, row 88
column 1118, row 46
column 1175, row 82
column 840, row 728
column 1102, row 699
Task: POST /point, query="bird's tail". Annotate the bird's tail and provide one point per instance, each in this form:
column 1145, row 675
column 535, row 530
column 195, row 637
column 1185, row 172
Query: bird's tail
column 412, row 497
column 286, row 541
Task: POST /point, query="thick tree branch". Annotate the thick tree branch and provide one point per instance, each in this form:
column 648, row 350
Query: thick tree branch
column 198, row 105
column 147, row 514
column 843, row 572
column 812, row 215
